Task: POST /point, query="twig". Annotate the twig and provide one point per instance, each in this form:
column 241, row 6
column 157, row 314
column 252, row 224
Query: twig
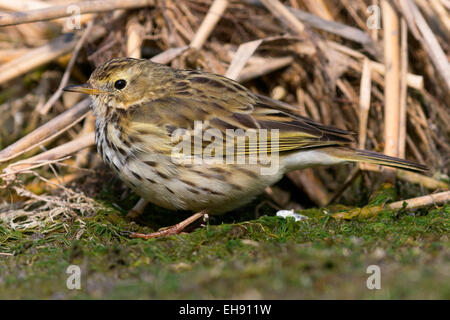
column 340, row 29
column 25, row 166
column 88, row 126
column 7, row 55
column 414, row 203
column 443, row 15
column 23, row 5
column 413, row 80
column 46, row 132
column 351, row 7
column 66, row 75
column 43, row 158
column 55, row 12
column 422, row 201
column 317, row 7
column 428, row 40
column 53, row 183
column 446, row 3
column 284, row 15
column 212, row 17
column 37, row 57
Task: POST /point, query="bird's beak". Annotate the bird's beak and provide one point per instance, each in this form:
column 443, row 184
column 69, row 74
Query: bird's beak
column 83, row 88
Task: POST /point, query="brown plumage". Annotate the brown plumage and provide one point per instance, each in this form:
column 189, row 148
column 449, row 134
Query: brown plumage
column 140, row 106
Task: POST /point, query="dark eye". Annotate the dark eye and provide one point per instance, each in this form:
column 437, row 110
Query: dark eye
column 120, row 84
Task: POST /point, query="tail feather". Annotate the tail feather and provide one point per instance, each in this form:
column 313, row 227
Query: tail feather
column 356, row 155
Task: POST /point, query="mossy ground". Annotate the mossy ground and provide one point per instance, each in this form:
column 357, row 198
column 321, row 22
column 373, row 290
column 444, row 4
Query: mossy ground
column 268, row 257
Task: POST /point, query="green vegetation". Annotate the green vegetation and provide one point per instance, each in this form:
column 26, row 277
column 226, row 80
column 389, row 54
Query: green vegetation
column 268, row 257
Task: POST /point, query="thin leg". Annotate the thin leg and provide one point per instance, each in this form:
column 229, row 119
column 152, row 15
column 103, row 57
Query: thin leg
column 138, row 209
column 175, row 229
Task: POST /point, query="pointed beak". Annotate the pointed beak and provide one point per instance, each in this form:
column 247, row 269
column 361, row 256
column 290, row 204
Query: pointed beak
column 84, row 88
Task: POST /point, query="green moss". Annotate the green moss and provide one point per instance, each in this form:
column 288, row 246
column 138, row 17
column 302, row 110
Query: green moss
column 268, row 257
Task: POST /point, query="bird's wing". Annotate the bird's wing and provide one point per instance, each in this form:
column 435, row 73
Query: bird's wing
column 219, row 103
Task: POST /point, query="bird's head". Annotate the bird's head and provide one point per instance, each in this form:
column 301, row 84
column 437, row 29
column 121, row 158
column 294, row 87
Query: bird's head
column 124, row 82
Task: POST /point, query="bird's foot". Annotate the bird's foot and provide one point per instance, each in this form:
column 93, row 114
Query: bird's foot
column 168, row 231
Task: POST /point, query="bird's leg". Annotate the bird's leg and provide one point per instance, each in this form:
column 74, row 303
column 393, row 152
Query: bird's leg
column 138, row 209
column 175, row 229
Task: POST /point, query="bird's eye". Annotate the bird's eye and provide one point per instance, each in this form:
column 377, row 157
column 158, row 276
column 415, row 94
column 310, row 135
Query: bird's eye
column 120, row 84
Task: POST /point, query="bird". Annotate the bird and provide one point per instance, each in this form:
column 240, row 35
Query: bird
column 149, row 115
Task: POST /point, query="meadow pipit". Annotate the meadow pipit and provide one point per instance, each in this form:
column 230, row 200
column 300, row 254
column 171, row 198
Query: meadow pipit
column 150, row 119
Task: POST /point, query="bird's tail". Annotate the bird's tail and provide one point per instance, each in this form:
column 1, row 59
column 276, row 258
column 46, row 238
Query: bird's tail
column 356, row 155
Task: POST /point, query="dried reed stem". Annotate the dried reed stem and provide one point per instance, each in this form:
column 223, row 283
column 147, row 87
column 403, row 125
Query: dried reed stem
column 403, row 90
column 427, row 38
column 26, row 5
column 339, row 29
column 61, row 11
column 392, row 80
column 414, row 203
column 306, row 180
column 56, row 153
column 23, row 5
column 257, row 70
column 212, row 17
column 37, row 57
column 134, row 38
column 169, row 55
column 88, row 126
column 423, row 201
column 413, row 80
column 243, row 54
column 46, row 132
column 283, row 14
column 364, row 102
column 46, row 107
